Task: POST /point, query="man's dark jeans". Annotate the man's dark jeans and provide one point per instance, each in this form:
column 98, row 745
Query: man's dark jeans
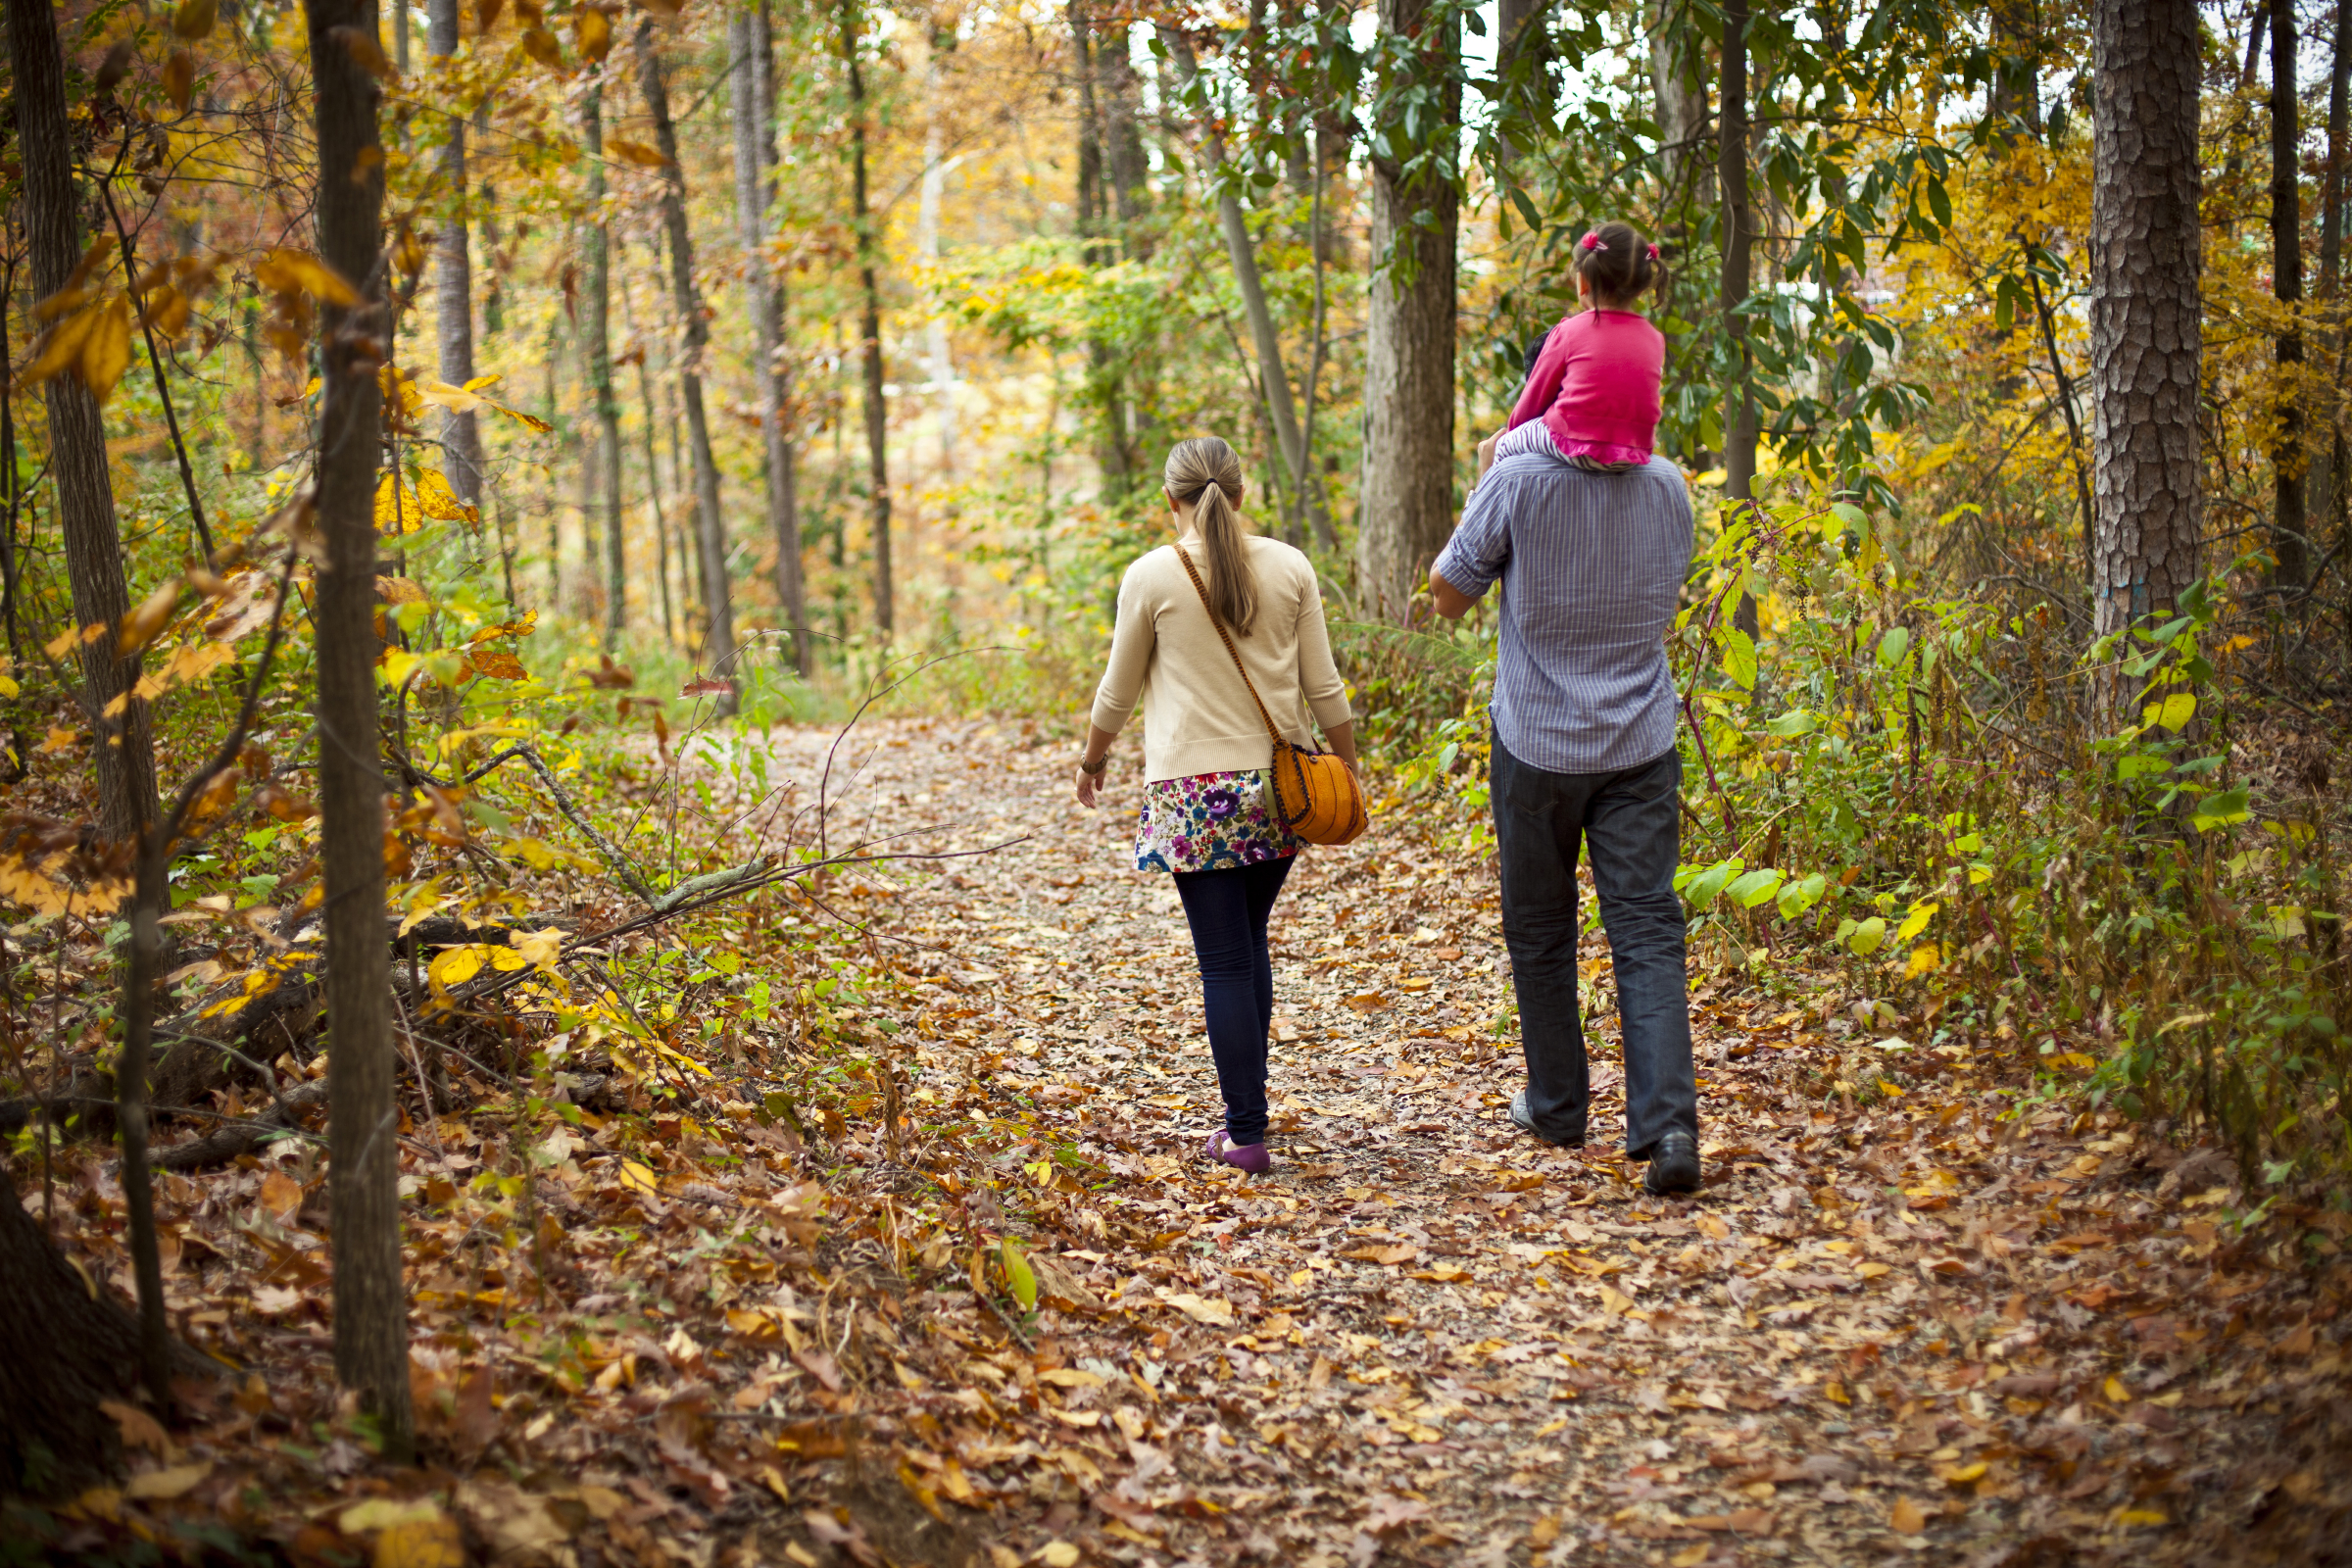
column 1633, row 821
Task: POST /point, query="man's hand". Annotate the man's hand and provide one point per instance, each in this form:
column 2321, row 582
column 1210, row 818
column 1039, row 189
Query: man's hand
column 1449, row 601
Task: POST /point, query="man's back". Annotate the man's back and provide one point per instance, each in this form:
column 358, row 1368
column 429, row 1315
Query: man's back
column 1592, row 566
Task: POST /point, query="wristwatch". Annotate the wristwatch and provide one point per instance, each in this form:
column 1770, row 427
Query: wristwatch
column 1094, row 769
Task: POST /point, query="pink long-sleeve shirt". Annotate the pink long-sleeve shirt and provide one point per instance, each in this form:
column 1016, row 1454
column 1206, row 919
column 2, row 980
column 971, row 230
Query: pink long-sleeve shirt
column 1596, row 386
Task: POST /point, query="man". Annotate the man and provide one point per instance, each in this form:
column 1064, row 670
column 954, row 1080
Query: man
column 1592, row 566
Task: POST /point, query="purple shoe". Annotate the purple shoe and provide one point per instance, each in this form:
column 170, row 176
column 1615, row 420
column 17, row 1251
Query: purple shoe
column 1252, row 1158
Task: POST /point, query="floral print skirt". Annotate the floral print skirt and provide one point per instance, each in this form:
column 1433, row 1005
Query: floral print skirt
column 1210, row 820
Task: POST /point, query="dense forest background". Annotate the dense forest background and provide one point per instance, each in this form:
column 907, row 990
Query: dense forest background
column 453, row 454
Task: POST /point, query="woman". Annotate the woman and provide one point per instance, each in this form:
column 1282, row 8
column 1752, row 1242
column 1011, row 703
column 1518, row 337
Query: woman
column 1209, row 813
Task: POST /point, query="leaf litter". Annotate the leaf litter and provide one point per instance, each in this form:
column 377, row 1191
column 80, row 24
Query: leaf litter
column 965, row 1293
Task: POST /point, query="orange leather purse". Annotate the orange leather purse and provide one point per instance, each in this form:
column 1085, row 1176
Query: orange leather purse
column 1314, row 792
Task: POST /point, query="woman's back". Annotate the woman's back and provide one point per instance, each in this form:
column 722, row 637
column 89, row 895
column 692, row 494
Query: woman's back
column 1197, row 716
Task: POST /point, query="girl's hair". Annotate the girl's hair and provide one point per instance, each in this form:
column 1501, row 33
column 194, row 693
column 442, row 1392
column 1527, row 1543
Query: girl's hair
column 1620, row 264
column 1204, row 474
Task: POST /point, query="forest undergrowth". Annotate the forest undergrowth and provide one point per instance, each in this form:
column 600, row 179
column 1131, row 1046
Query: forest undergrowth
column 858, row 1219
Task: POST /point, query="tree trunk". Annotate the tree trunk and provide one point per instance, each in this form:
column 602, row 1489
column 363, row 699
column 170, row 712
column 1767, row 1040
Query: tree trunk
column 1123, row 142
column 370, row 1307
column 1523, row 66
column 1676, row 78
column 2328, row 483
column 652, row 468
column 1738, row 248
column 596, row 347
column 453, row 281
column 2145, row 329
column 940, row 365
column 2289, row 537
column 877, row 409
column 709, row 524
column 1240, row 250
column 85, row 497
column 1406, row 511
column 747, row 34
column 64, row 1348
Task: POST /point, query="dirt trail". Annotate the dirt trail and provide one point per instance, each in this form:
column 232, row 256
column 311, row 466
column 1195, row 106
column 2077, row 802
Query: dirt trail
column 1914, row 1324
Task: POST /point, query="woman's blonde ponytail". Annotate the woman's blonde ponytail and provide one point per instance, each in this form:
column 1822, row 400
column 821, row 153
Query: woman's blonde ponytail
column 1204, row 474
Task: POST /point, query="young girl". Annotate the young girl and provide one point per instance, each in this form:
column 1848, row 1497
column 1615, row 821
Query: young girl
column 1591, row 395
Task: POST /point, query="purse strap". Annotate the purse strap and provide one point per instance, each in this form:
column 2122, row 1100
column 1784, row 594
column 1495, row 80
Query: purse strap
column 1201, row 588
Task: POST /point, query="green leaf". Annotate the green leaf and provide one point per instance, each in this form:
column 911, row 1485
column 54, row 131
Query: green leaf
column 2222, row 810
column 1894, row 646
column 1867, row 937
column 1799, row 896
column 1796, row 721
column 1739, row 657
column 1704, row 887
column 1852, row 516
column 1755, row 887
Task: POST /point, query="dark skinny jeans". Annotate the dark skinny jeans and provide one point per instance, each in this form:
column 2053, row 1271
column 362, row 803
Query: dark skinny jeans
column 1631, row 823
column 1228, row 908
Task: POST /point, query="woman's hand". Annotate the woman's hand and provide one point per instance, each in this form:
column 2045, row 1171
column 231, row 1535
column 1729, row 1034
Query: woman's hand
column 1485, row 455
column 1088, row 783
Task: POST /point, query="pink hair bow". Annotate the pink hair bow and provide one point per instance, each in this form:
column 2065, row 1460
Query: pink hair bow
column 1591, row 241
column 1653, row 252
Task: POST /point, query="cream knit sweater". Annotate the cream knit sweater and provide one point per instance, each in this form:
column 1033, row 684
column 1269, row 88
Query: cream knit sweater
column 1166, row 654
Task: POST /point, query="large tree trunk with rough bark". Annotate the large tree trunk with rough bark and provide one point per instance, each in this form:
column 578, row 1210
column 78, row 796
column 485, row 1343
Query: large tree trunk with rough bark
column 2326, row 495
column 869, row 327
column 1406, row 510
column 371, row 1337
column 596, row 347
column 85, row 497
column 2146, row 339
column 754, row 102
column 63, row 1350
column 709, row 524
column 2289, row 537
column 453, row 281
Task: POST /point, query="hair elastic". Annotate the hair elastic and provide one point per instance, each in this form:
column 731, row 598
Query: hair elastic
column 1591, row 241
column 1653, row 252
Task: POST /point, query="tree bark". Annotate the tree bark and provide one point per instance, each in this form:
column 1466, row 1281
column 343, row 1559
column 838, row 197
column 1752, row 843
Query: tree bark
column 1406, row 511
column 596, row 347
column 2327, row 482
column 371, row 1330
column 1123, row 142
column 1676, row 78
column 86, row 498
column 453, row 281
column 877, row 409
column 2289, row 535
column 709, row 524
column 2145, row 328
column 1281, row 408
column 746, row 33
column 1523, row 66
column 64, row 1346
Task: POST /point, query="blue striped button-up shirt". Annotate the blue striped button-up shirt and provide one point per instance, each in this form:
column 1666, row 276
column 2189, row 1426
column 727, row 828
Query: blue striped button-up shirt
column 1592, row 566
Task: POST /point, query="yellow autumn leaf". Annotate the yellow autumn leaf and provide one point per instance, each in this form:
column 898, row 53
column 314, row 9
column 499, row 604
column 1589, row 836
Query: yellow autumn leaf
column 540, row 44
column 540, row 948
column 179, row 79
column 591, row 34
column 639, row 1177
column 1906, row 1519
column 195, row 17
column 634, row 152
column 1917, row 921
column 1925, row 959
column 434, row 1543
column 144, row 623
column 287, row 270
column 106, row 352
column 436, row 499
column 454, row 966
column 59, row 347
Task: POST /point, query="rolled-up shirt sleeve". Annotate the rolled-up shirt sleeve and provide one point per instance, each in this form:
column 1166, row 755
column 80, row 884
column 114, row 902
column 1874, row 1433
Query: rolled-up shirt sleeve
column 1481, row 545
column 1131, row 643
column 1318, row 673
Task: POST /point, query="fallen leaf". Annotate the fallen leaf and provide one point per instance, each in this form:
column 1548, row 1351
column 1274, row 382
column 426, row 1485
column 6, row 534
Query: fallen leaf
column 1906, row 1519
column 173, row 1481
column 1215, row 1310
